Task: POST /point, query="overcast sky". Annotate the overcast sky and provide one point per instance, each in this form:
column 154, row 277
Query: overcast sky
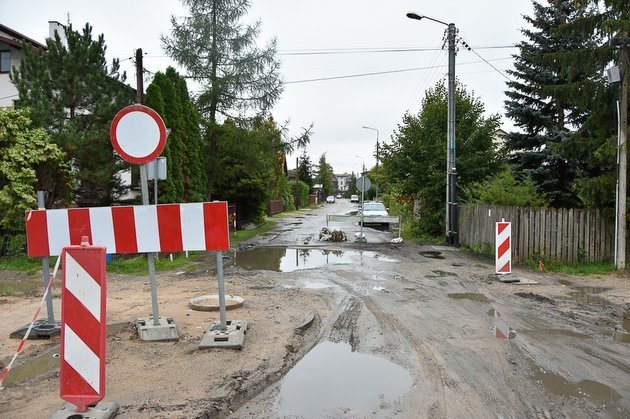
column 326, row 39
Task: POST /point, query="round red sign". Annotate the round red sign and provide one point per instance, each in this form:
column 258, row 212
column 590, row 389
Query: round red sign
column 138, row 134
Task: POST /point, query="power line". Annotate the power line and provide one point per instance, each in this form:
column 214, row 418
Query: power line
column 469, row 48
column 337, row 51
column 376, row 73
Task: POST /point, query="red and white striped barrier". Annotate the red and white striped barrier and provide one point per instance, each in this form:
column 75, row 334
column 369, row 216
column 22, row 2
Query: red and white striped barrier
column 503, row 247
column 130, row 229
column 83, row 325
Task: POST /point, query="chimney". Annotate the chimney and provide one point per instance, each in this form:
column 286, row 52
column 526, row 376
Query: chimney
column 56, row 27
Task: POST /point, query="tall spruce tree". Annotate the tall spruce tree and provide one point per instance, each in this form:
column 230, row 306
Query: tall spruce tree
column 594, row 145
column 543, row 101
column 221, row 54
column 74, row 95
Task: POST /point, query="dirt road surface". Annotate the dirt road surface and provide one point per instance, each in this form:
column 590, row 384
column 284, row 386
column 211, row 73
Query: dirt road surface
column 351, row 330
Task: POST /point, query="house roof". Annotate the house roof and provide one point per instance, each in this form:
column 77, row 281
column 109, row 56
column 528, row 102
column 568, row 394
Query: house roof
column 14, row 38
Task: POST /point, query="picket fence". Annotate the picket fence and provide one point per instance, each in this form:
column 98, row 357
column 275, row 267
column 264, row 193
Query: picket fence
column 565, row 235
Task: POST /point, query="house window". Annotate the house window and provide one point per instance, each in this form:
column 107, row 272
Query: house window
column 5, row 61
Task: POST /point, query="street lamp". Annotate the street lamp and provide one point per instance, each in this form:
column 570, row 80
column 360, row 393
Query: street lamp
column 451, row 171
column 376, row 174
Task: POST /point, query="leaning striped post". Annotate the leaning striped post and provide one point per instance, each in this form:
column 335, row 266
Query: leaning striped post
column 503, row 247
column 83, row 325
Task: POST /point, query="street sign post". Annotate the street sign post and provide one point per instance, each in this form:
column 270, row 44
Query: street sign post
column 138, row 135
column 363, row 184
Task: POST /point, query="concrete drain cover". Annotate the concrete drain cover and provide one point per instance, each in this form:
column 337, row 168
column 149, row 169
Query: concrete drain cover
column 211, row 302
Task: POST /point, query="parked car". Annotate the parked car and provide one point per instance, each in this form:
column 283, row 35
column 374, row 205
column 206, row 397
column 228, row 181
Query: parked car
column 354, row 198
column 370, row 209
column 330, row 199
column 338, row 196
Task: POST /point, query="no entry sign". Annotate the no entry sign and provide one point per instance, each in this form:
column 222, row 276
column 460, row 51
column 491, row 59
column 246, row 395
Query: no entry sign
column 138, row 134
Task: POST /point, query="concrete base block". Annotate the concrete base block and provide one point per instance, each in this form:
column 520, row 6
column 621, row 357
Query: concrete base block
column 165, row 331
column 102, row 410
column 233, row 337
column 507, row 278
column 41, row 330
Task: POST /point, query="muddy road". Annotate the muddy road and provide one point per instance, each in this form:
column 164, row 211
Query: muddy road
column 355, row 330
column 454, row 341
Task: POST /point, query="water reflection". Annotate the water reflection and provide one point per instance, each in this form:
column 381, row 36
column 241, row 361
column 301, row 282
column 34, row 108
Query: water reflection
column 331, row 378
column 289, row 260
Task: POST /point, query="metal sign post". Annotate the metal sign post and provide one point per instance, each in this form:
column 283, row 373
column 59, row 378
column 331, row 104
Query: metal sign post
column 138, row 134
column 363, row 184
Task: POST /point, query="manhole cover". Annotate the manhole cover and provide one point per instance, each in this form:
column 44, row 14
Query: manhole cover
column 211, row 302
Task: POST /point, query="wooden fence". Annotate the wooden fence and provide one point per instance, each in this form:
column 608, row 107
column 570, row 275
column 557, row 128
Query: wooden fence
column 565, row 235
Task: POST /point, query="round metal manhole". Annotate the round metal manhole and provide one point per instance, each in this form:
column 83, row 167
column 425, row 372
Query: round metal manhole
column 211, row 302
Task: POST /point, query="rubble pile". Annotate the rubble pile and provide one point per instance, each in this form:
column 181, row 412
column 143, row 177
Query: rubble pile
column 335, row 235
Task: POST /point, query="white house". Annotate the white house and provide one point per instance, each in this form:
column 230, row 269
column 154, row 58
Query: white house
column 11, row 55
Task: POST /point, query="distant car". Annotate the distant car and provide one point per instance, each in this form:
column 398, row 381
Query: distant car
column 354, row 198
column 330, row 199
column 338, row 196
column 374, row 208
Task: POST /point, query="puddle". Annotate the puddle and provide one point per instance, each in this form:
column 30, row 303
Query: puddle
column 316, row 285
column 49, row 360
column 331, row 378
column 289, row 260
column 585, row 297
column 442, row 274
column 432, row 254
column 621, row 336
column 39, row 365
column 546, row 334
column 588, row 389
column 591, row 290
column 470, row 296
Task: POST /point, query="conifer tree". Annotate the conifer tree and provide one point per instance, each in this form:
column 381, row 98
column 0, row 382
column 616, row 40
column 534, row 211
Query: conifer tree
column 221, row 54
column 594, row 145
column 162, row 97
column 544, row 101
column 74, row 95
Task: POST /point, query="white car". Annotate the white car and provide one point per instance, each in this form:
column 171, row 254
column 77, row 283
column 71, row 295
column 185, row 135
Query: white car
column 330, row 199
column 373, row 209
column 354, row 198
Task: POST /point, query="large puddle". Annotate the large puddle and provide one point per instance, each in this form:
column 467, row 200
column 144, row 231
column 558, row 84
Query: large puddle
column 589, row 389
column 289, row 260
column 331, row 378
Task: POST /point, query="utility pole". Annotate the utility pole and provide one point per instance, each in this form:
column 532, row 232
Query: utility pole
column 451, row 171
column 624, row 68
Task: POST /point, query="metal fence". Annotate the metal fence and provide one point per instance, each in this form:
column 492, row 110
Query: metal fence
column 565, row 235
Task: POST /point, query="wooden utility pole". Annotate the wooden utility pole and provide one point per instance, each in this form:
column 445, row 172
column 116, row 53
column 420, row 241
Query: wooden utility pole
column 139, row 77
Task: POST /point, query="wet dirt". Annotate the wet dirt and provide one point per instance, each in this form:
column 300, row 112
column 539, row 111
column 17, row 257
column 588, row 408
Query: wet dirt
column 427, row 322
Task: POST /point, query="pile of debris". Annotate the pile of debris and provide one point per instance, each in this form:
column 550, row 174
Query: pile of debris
column 335, row 235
